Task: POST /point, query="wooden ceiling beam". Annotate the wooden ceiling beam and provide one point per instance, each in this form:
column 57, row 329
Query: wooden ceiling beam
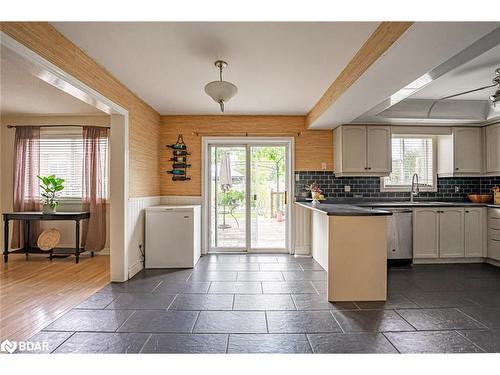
column 375, row 46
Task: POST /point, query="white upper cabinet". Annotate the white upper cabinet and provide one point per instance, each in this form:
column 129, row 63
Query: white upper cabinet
column 492, row 135
column 362, row 150
column 461, row 153
column 379, row 149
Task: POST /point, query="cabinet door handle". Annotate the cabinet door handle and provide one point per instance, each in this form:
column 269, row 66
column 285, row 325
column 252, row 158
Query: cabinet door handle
column 369, row 168
column 456, row 169
column 467, row 212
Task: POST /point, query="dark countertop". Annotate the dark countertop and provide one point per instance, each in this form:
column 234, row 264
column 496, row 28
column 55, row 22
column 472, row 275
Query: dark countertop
column 363, row 206
column 336, row 209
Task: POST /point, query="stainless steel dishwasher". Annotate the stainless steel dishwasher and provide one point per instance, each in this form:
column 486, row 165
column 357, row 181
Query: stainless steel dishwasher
column 399, row 235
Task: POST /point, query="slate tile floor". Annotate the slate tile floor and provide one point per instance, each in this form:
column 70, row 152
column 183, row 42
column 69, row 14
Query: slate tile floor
column 277, row 304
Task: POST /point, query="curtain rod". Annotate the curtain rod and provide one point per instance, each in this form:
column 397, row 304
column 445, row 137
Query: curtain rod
column 56, row 126
column 247, row 134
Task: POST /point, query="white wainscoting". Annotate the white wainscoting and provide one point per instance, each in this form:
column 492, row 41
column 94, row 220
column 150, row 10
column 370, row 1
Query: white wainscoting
column 302, row 230
column 136, row 231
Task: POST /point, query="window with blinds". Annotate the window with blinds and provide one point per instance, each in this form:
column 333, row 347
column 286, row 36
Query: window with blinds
column 411, row 155
column 61, row 154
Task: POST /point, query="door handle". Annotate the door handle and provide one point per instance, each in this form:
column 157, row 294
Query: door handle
column 286, row 197
column 255, row 197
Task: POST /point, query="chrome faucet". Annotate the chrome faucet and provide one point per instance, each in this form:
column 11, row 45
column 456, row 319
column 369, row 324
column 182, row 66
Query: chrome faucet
column 414, row 187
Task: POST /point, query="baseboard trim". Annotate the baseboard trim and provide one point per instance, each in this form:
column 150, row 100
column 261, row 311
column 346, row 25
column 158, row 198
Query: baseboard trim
column 448, row 260
column 493, row 262
column 134, row 269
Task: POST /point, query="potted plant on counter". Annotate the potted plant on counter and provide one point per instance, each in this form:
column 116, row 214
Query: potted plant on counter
column 51, row 186
column 315, row 192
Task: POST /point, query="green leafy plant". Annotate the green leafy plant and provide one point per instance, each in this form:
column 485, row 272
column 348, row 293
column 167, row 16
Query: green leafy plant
column 51, row 186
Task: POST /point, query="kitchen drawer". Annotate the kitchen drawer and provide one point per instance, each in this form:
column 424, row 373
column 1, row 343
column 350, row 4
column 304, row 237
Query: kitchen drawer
column 494, row 213
column 494, row 223
column 494, row 234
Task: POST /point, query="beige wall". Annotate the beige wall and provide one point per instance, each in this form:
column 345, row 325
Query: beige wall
column 7, row 164
column 312, row 147
column 45, row 40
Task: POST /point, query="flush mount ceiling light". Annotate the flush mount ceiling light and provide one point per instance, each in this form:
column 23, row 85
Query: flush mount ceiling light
column 221, row 91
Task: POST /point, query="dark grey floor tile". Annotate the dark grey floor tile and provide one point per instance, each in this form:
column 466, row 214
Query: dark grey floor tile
column 232, row 267
column 489, row 316
column 431, row 342
column 146, row 286
column 277, row 287
column 394, row 301
column 321, row 286
column 258, row 259
column 225, row 258
column 90, row 320
column 439, row 299
column 213, row 276
column 301, row 322
column 371, row 321
column 202, row 302
column 260, row 276
column 186, row 343
column 194, row 287
column 235, row 287
column 488, row 340
column 481, row 284
column 97, row 301
column 280, row 267
column 98, row 342
column 304, row 275
column 163, row 274
column 358, row 343
column 486, row 298
column 46, row 342
column 231, row 322
column 156, row 321
column 439, row 284
column 141, row 301
column 268, row 343
column 317, row 302
column 263, row 302
column 438, row 319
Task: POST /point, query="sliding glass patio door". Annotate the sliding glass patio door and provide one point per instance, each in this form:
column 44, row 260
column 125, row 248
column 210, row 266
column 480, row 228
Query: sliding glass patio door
column 248, row 194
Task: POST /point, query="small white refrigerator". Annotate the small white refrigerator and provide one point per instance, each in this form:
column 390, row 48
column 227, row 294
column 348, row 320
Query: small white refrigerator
column 173, row 236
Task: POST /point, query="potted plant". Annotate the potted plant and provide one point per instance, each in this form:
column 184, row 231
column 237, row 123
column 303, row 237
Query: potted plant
column 315, row 192
column 51, row 186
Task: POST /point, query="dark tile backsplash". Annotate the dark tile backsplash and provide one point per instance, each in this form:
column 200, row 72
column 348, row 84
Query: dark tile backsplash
column 333, row 187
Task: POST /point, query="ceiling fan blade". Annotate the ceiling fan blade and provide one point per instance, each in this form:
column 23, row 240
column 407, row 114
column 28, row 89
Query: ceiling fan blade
column 468, row 92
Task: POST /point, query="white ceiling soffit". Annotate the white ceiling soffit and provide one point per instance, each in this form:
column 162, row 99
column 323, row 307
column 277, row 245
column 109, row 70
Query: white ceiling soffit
column 25, row 94
column 424, row 46
column 278, row 67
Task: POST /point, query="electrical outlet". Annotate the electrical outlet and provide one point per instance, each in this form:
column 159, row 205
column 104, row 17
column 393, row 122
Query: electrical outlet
column 347, row 188
column 297, row 177
column 323, row 165
column 457, row 189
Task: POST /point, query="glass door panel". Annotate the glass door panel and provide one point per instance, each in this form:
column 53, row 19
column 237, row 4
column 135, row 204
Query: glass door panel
column 268, row 197
column 228, row 198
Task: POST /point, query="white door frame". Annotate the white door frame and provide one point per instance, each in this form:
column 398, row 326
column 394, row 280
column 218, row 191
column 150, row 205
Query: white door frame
column 206, row 142
column 119, row 139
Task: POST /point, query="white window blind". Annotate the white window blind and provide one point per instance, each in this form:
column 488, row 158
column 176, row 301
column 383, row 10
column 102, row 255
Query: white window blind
column 411, row 155
column 61, row 154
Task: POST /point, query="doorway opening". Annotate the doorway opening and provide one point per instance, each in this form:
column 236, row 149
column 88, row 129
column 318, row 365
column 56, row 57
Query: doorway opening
column 246, row 190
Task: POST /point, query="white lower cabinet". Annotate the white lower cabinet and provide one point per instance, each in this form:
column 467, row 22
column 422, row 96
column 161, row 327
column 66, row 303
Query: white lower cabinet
column 494, row 233
column 475, row 232
column 452, row 232
column 425, row 233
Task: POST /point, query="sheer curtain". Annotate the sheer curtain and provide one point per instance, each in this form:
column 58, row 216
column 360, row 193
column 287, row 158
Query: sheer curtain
column 26, row 186
column 95, row 153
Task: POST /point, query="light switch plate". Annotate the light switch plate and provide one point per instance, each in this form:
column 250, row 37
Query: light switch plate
column 323, row 165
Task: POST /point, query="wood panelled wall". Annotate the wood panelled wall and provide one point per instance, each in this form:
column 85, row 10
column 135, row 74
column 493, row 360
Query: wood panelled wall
column 45, row 40
column 312, row 147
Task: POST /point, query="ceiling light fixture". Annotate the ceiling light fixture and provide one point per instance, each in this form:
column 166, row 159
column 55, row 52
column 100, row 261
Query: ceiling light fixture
column 221, row 91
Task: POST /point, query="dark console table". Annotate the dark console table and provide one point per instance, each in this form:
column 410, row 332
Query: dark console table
column 28, row 217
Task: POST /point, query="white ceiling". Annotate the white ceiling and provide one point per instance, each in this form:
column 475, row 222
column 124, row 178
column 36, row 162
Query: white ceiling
column 279, row 68
column 476, row 73
column 22, row 93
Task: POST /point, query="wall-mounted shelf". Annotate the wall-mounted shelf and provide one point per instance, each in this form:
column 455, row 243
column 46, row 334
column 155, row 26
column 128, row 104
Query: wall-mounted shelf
column 179, row 160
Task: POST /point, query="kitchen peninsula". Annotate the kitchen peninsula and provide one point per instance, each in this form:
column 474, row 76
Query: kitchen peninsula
column 350, row 243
